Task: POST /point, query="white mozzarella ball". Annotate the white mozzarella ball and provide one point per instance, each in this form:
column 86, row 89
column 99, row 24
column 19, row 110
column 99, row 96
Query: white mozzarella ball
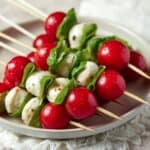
column 33, row 82
column 75, row 35
column 29, row 109
column 14, row 98
column 56, row 88
column 87, row 74
column 64, row 67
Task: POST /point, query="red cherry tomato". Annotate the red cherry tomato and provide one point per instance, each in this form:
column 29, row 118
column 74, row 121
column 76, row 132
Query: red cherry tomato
column 81, row 103
column 53, row 21
column 110, row 85
column 42, row 40
column 31, row 57
column 41, row 56
column 3, row 87
column 14, row 71
column 138, row 61
column 54, row 117
column 114, row 55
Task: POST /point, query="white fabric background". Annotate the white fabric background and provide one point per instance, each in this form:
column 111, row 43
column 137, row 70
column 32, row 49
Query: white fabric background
column 135, row 135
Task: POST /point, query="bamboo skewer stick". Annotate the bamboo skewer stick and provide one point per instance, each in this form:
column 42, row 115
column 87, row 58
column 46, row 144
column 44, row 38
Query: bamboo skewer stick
column 17, row 27
column 10, row 49
column 136, row 98
column 108, row 113
column 139, row 71
column 11, row 39
column 79, row 125
column 2, row 63
column 29, row 9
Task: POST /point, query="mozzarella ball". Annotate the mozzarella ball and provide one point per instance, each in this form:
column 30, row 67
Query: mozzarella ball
column 75, row 35
column 33, row 85
column 65, row 66
column 29, row 109
column 56, row 88
column 87, row 74
column 14, row 99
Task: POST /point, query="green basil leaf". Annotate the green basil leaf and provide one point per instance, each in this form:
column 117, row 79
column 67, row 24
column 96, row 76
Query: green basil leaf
column 18, row 111
column 2, row 102
column 29, row 69
column 78, row 69
column 35, row 121
column 68, row 22
column 57, row 55
column 64, row 92
column 81, row 55
column 88, row 32
column 93, row 44
column 45, row 82
column 91, row 85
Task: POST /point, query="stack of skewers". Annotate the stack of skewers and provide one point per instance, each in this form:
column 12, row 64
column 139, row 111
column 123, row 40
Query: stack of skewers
column 68, row 74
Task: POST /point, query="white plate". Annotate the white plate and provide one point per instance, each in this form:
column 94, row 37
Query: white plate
column 128, row 108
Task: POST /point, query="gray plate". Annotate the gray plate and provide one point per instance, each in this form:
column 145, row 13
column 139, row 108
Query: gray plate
column 127, row 109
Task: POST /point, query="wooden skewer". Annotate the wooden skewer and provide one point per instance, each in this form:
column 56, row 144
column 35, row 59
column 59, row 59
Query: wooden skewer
column 108, row 113
column 2, row 63
column 139, row 71
column 136, row 98
column 17, row 27
column 79, row 125
column 29, row 9
column 2, row 44
column 7, row 37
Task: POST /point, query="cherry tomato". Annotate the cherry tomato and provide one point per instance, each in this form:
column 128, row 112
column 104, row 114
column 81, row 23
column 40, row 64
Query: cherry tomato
column 110, row 85
column 81, row 103
column 31, row 57
column 3, row 87
column 138, row 61
column 14, row 71
column 114, row 55
column 54, row 117
column 42, row 54
column 42, row 40
column 53, row 21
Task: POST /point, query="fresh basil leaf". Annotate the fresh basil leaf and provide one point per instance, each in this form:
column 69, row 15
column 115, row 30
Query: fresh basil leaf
column 57, row 55
column 35, row 121
column 81, row 55
column 2, row 102
column 45, row 82
column 68, row 22
column 78, row 69
column 88, row 32
column 93, row 44
column 64, row 92
column 29, row 69
column 18, row 111
column 91, row 85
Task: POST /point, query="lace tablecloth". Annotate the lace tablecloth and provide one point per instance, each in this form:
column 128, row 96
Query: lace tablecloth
column 134, row 14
